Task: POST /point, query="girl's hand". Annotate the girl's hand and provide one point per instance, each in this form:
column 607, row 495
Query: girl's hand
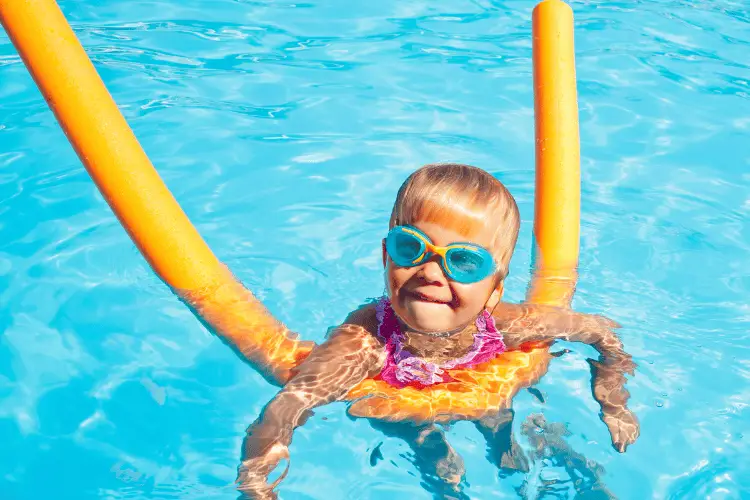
column 608, row 387
column 266, row 445
column 254, row 471
column 623, row 427
column 349, row 355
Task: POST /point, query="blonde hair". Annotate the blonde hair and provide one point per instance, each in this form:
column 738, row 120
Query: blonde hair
column 463, row 198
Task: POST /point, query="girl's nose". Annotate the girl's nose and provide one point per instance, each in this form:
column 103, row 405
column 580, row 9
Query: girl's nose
column 432, row 272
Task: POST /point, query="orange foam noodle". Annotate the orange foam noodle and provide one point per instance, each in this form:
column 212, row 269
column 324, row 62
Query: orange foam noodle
column 106, row 145
column 133, row 189
column 477, row 392
column 558, row 177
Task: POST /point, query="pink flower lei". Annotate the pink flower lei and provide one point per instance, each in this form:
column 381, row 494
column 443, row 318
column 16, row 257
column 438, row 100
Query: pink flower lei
column 402, row 368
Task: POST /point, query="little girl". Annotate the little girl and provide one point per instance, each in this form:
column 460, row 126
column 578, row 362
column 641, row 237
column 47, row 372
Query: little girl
column 452, row 233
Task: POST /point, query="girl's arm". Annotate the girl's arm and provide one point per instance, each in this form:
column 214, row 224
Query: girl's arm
column 350, row 355
column 522, row 323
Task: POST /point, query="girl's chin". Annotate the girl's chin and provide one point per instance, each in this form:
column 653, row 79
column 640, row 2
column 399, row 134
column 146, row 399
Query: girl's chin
column 429, row 317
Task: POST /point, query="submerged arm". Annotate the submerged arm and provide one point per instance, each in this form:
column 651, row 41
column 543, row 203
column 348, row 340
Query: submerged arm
column 524, row 323
column 350, row 355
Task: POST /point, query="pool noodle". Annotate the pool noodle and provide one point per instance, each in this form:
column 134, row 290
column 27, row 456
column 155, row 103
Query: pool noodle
column 557, row 197
column 172, row 246
column 133, row 189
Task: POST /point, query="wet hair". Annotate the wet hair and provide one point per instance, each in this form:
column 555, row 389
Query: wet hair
column 463, row 198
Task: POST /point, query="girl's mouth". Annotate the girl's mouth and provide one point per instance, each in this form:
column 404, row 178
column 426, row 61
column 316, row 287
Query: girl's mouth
column 427, row 298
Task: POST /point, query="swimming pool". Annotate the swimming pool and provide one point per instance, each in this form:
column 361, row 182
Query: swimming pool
column 284, row 131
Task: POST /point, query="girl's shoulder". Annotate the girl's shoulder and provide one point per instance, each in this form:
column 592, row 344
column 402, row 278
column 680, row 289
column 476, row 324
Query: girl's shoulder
column 361, row 322
column 364, row 316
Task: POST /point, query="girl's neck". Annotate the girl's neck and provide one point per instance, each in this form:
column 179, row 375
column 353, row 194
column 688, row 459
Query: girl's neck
column 441, row 346
column 435, row 335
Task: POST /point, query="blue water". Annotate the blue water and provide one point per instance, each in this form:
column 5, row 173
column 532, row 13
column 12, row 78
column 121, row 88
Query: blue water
column 284, row 130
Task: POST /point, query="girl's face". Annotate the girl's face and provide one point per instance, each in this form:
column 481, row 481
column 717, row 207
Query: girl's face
column 426, row 300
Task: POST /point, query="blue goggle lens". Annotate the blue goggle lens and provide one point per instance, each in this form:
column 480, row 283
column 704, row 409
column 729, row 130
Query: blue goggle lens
column 404, row 248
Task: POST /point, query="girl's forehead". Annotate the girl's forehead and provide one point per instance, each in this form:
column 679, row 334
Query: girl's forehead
column 444, row 232
column 451, row 219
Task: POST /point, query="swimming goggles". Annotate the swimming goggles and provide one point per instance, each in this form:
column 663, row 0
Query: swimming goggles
column 462, row 262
